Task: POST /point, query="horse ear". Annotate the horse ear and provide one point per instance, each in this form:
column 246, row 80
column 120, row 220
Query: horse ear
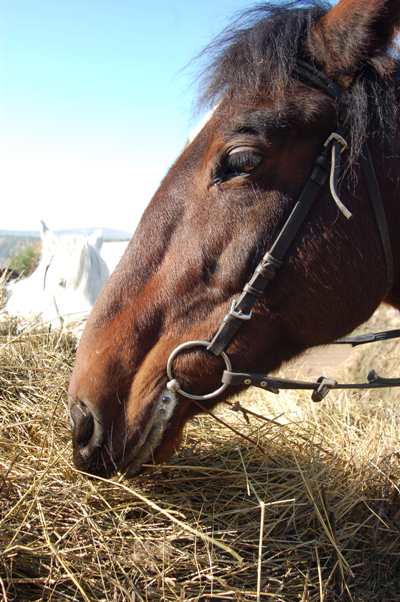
column 44, row 229
column 96, row 239
column 48, row 237
column 352, row 32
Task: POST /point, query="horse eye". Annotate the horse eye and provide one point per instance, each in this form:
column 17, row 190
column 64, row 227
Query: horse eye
column 62, row 283
column 240, row 161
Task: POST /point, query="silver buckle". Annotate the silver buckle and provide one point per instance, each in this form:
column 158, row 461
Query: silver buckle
column 337, row 138
column 232, row 313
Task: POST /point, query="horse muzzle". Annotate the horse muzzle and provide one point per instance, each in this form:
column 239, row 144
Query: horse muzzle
column 93, row 447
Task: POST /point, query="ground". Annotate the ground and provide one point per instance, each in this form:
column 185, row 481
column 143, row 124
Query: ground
column 311, row 514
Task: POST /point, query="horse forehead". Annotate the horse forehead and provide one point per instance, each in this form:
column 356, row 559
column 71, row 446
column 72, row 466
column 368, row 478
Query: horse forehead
column 65, row 258
column 70, row 245
column 59, row 242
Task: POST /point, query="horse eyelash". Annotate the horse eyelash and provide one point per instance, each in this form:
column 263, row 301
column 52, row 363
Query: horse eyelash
column 222, row 173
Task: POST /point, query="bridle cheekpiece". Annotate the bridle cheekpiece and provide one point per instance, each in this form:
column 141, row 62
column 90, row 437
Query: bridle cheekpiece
column 326, row 168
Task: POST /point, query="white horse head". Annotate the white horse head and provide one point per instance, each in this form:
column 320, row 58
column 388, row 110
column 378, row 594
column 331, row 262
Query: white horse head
column 66, row 282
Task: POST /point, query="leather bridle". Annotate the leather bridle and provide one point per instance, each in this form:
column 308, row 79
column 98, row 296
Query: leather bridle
column 327, row 167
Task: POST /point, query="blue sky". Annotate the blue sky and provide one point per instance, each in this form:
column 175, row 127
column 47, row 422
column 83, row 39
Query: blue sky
column 95, row 104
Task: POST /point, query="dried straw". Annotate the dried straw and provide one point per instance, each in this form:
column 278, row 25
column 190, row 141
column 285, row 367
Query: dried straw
column 315, row 517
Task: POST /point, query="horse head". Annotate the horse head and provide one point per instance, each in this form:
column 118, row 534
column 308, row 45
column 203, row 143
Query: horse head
column 66, row 282
column 220, row 209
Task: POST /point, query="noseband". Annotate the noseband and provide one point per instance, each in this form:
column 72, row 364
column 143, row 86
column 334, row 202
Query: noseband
column 327, row 166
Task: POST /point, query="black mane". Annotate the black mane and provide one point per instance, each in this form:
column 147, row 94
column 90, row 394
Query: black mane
column 256, row 56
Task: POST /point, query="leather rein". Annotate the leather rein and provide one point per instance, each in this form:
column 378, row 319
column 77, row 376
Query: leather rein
column 326, row 168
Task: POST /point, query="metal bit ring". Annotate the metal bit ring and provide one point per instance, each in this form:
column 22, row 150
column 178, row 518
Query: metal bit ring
column 173, row 383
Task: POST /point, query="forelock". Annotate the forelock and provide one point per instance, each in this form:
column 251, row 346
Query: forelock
column 255, row 57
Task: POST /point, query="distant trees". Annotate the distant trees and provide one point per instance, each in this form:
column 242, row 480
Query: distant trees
column 26, row 259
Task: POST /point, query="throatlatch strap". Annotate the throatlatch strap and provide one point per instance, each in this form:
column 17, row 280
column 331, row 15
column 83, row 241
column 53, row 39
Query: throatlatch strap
column 375, row 196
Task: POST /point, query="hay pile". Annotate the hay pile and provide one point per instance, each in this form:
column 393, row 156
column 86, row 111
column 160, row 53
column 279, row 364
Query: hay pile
column 313, row 517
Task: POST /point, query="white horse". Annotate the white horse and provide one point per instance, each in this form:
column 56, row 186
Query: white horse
column 64, row 287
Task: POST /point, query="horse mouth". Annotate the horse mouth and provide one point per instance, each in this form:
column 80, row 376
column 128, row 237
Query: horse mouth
column 152, row 435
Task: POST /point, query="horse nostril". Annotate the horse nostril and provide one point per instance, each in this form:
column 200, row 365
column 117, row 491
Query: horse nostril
column 82, row 423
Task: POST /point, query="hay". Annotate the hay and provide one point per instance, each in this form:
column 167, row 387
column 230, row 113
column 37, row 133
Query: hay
column 314, row 517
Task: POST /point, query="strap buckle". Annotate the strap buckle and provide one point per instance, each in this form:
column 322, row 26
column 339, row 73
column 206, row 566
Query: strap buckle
column 335, row 137
column 239, row 315
column 325, row 385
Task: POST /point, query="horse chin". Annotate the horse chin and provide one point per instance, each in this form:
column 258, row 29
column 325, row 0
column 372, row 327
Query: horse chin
column 157, row 441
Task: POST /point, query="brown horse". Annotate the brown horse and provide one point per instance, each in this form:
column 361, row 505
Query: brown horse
column 219, row 210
